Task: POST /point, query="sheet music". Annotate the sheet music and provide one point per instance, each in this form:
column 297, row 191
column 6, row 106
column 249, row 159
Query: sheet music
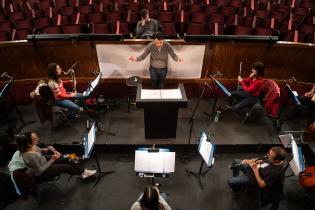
column 154, row 162
column 169, row 162
column 171, row 94
column 297, row 164
column 92, row 85
column 150, row 94
column 206, row 150
column 141, row 161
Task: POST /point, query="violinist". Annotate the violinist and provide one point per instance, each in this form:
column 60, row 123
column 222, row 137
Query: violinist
column 62, row 97
column 260, row 173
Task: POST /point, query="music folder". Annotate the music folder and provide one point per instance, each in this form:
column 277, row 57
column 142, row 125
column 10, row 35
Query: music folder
column 222, row 87
column 154, row 162
column 206, row 150
column 297, row 163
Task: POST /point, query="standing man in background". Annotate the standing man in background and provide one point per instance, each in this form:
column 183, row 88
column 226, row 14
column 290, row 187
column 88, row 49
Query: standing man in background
column 159, row 50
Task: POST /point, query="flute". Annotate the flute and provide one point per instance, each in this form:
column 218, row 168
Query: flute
column 256, row 160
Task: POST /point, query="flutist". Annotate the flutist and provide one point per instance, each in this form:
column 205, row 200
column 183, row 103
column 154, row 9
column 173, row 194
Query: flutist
column 267, row 173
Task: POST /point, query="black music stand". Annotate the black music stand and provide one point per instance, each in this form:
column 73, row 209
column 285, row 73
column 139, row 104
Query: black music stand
column 6, row 90
column 221, row 87
column 88, row 144
column 96, row 114
column 206, row 150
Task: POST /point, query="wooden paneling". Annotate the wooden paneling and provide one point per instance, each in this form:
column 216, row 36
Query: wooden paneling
column 28, row 61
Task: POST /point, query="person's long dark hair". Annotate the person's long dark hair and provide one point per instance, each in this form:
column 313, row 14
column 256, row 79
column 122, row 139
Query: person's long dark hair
column 24, row 141
column 52, row 73
column 150, row 199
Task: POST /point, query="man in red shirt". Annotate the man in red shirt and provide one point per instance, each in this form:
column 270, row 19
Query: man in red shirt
column 251, row 87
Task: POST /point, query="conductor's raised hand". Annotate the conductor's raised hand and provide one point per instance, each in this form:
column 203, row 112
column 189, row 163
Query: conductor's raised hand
column 132, row 58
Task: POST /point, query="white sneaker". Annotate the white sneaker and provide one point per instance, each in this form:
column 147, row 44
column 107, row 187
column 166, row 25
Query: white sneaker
column 87, row 173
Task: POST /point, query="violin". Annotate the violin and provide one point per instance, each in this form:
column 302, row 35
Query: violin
column 307, row 178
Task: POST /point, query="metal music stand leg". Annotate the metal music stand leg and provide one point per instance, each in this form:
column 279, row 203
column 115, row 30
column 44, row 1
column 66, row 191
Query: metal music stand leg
column 24, row 123
column 96, row 116
column 100, row 173
column 191, row 122
column 198, row 175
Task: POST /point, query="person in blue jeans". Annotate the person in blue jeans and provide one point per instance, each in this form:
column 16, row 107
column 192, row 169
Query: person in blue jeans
column 258, row 173
column 62, row 97
column 159, row 50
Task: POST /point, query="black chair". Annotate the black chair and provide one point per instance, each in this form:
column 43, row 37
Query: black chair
column 45, row 106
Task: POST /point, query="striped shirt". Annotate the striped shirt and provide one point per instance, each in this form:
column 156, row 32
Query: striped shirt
column 159, row 58
column 58, row 89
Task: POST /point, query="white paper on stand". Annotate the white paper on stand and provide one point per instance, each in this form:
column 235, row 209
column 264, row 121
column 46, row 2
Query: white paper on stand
column 171, row 94
column 154, row 162
column 169, row 162
column 141, row 163
column 150, row 94
column 205, row 151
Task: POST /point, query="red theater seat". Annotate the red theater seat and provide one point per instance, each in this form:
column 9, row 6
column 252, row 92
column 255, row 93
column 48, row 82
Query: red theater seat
column 243, row 30
column 98, row 17
column 196, row 29
column 71, row 29
column 4, row 36
column 165, row 16
column 52, row 30
column 263, row 32
column 100, row 28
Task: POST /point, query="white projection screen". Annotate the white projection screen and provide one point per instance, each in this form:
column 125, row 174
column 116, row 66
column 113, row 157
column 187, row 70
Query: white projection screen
column 114, row 63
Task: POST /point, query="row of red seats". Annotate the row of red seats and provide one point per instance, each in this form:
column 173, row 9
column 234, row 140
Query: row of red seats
column 185, row 22
column 160, row 6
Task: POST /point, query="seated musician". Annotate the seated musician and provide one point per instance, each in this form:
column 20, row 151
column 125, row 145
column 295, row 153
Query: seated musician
column 62, row 97
column 44, row 166
column 151, row 198
column 258, row 173
column 251, row 88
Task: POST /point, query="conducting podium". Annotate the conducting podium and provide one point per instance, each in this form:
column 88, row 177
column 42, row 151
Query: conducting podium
column 161, row 110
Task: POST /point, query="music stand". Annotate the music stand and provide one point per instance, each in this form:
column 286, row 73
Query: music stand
column 88, row 93
column 88, row 144
column 223, row 89
column 206, row 150
column 6, row 90
column 296, row 163
column 154, row 162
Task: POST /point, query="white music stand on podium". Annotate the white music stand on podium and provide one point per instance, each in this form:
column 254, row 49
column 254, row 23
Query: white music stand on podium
column 154, row 162
column 206, row 150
